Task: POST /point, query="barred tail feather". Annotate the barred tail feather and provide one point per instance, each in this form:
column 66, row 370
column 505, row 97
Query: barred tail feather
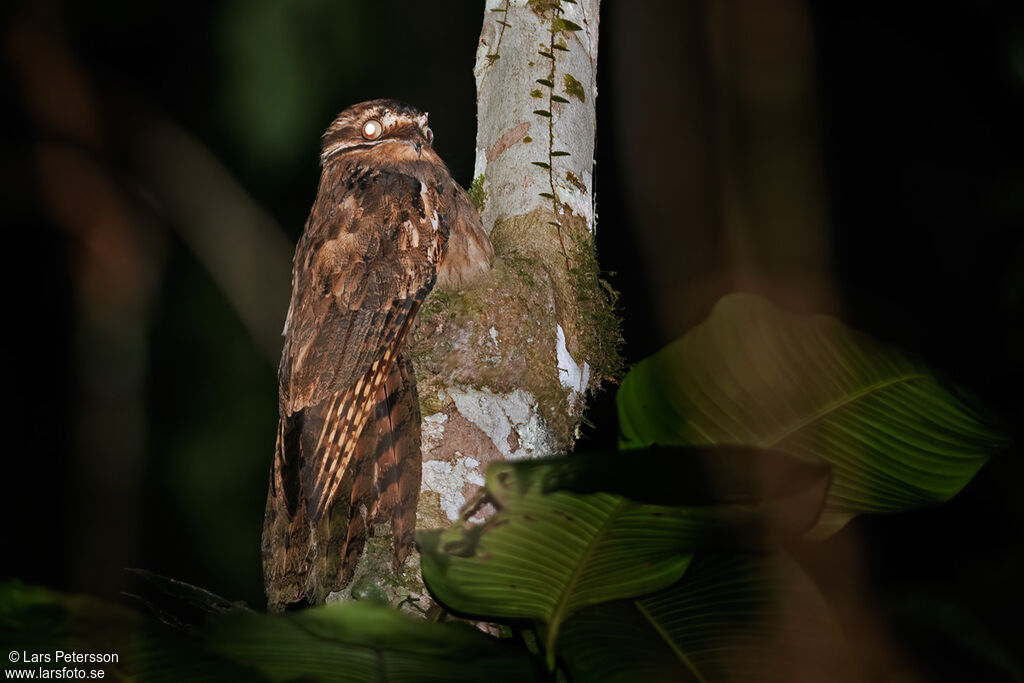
column 398, row 467
column 349, row 413
column 305, row 559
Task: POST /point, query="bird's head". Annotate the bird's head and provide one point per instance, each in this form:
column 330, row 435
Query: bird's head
column 388, row 128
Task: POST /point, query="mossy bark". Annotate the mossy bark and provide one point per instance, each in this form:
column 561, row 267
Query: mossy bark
column 504, row 367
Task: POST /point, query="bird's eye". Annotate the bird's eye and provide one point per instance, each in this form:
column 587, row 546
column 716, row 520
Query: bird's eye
column 429, row 135
column 372, row 129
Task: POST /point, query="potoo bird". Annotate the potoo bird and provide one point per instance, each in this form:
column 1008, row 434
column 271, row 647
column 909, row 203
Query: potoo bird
column 388, row 223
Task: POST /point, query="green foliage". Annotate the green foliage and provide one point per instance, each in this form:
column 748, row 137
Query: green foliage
column 358, row 641
column 561, row 24
column 352, row 642
column 36, row 620
column 585, row 548
column 895, row 436
column 661, row 563
column 721, row 621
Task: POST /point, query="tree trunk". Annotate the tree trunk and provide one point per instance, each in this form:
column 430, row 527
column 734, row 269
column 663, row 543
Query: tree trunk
column 503, row 367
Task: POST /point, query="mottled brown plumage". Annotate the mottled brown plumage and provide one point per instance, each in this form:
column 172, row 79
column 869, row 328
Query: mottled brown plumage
column 387, row 224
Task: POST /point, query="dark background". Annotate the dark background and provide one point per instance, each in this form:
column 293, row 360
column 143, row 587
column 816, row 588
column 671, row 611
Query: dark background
column 875, row 154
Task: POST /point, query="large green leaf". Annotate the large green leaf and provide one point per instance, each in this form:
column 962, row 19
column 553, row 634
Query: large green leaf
column 895, row 436
column 352, row 642
column 732, row 617
column 545, row 554
column 357, row 642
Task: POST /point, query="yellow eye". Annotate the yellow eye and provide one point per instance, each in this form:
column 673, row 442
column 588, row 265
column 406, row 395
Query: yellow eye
column 372, row 129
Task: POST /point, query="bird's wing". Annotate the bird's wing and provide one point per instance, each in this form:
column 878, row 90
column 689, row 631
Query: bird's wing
column 367, row 260
column 469, row 253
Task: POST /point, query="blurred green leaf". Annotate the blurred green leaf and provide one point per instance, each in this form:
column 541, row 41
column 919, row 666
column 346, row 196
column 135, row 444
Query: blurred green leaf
column 546, row 554
column 730, row 618
column 895, row 437
column 543, row 556
column 37, row 620
column 351, row 642
column 358, row 641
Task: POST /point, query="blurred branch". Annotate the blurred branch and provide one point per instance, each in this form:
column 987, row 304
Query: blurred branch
column 769, row 169
column 112, row 176
column 116, row 254
column 245, row 251
column 725, row 182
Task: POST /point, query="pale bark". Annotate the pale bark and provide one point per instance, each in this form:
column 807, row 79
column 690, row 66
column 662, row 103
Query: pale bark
column 508, row 68
column 503, row 368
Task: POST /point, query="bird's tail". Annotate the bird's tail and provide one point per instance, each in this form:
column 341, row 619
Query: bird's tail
column 303, row 562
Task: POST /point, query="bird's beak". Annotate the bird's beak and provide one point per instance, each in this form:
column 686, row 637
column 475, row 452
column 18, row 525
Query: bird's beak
column 418, row 146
